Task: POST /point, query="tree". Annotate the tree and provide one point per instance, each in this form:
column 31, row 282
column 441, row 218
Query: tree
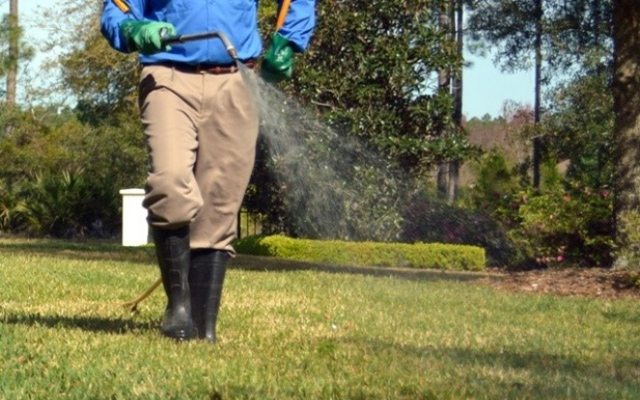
column 446, row 25
column 556, row 36
column 456, row 90
column 626, row 90
column 375, row 83
column 579, row 128
column 65, row 167
column 450, row 82
column 14, row 51
column 12, row 64
column 379, row 84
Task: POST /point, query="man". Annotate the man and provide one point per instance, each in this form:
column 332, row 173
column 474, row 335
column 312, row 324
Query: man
column 201, row 130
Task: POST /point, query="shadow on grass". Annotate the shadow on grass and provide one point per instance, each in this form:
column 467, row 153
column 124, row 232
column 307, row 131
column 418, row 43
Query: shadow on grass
column 90, row 324
column 90, row 251
column 269, row 264
column 628, row 316
column 592, row 376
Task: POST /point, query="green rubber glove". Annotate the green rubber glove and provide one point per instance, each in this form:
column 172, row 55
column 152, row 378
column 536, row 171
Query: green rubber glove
column 277, row 64
column 145, row 37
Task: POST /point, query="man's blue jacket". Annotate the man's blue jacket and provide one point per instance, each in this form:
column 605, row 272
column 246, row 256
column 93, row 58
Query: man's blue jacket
column 236, row 18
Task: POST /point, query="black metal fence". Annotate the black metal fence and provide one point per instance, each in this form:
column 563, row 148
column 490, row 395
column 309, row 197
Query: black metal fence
column 249, row 224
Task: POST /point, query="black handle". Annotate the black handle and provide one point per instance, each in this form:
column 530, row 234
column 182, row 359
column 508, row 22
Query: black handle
column 168, row 39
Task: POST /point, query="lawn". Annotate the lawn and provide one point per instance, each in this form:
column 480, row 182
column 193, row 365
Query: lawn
column 300, row 335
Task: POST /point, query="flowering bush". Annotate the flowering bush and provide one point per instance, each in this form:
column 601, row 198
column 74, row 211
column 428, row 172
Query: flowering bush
column 559, row 226
column 428, row 220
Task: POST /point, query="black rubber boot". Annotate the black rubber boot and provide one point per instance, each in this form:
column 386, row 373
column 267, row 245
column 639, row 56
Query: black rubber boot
column 206, row 278
column 174, row 256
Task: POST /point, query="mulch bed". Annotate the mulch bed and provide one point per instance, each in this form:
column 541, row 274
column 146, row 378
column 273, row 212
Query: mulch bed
column 592, row 282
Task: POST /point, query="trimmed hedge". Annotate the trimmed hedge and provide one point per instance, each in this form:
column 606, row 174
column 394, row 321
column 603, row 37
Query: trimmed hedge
column 420, row 255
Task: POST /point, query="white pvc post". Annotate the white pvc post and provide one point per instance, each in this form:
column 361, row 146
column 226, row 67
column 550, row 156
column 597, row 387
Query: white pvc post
column 135, row 230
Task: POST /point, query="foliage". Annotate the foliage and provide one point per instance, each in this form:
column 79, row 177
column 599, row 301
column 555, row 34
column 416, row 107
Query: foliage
column 382, row 85
column 63, row 177
column 429, row 220
column 571, row 219
column 62, row 205
column 65, row 166
column 9, row 32
column 565, row 222
column 579, row 128
column 377, row 93
column 571, row 31
column 494, row 183
column 12, row 207
column 102, row 81
column 633, row 279
column 565, row 226
column 419, row 255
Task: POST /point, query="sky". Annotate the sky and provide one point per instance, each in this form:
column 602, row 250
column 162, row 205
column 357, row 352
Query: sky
column 485, row 87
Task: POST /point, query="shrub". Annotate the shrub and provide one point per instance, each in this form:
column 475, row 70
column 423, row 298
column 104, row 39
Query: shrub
column 419, row 255
column 12, row 208
column 562, row 223
column 495, row 182
column 566, row 226
column 431, row 221
column 62, row 178
column 67, row 204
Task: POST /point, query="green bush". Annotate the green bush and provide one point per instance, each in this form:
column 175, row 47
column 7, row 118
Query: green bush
column 559, row 226
column 62, row 178
column 564, row 222
column 67, row 204
column 419, row 255
column 495, row 182
column 12, row 208
column 428, row 220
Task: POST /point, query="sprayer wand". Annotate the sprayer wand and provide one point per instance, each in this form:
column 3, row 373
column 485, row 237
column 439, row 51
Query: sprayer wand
column 169, row 40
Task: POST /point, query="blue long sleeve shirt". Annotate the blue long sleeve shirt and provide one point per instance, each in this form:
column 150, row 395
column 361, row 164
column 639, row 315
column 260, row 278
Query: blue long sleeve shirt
column 236, row 18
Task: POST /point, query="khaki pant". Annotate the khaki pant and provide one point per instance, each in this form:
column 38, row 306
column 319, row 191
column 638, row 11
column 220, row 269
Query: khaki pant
column 201, row 132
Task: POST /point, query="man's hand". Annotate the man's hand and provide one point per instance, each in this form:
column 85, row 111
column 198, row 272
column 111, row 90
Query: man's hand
column 277, row 64
column 145, row 36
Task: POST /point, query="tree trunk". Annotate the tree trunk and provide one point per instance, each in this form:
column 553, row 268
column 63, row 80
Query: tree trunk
column 457, row 80
column 595, row 6
column 12, row 68
column 537, row 142
column 444, row 84
column 442, row 178
column 626, row 92
column 454, row 165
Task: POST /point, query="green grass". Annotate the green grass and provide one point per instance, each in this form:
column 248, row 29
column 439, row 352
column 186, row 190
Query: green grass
column 299, row 335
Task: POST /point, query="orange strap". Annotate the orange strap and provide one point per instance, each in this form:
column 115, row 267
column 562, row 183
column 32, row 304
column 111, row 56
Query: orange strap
column 122, row 5
column 284, row 9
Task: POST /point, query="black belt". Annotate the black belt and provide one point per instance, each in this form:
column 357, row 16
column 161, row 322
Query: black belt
column 215, row 69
